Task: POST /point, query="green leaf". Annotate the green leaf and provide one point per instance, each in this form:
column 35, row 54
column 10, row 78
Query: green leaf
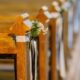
column 35, row 29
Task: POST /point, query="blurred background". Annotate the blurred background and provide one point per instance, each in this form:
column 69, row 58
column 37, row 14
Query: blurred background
column 9, row 8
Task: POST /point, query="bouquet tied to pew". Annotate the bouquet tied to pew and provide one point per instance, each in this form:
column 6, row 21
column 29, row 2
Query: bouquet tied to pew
column 37, row 28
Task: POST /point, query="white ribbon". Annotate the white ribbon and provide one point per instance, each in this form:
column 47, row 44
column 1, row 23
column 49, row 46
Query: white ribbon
column 22, row 39
column 47, row 14
column 30, row 64
column 55, row 14
column 24, row 15
column 45, row 8
column 58, row 39
column 60, row 59
column 56, row 5
column 51, row 15
column 28, row 23
column 36, row 59
column 70, row 28
column 66, row 6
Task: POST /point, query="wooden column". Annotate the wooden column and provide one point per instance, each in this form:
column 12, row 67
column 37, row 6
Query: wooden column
column 53, row 31
column 53, row 49
column 52, row 28
column 65, row 33
column 42, row 48
column 19, row 30
column 65, row 36
column 42, row 57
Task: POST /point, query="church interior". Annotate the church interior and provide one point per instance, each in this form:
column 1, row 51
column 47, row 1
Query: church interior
column 39, row 39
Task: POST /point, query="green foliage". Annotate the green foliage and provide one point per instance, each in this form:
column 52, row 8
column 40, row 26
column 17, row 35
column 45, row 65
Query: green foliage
column 35, row 29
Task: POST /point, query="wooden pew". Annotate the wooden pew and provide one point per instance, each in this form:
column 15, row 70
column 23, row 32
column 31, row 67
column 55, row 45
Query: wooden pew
column 53, row 57
column 55, row 8
column 66, row 27
column 53, row 41
column 18, row 30
column 65, row 15
column 43, row 16
column 47, row 17
column 57, row 17
column 18, row 49
column 7, row 51
column 42, row 47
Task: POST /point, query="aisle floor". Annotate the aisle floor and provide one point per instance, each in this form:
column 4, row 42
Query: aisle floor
column 74, row 63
